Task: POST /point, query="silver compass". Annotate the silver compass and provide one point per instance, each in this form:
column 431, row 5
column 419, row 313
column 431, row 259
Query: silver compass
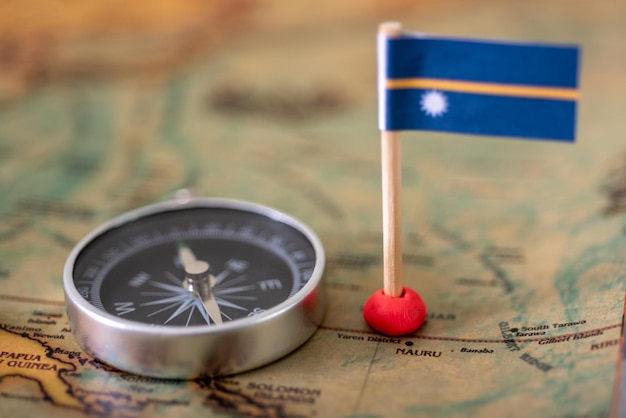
column 205, row 287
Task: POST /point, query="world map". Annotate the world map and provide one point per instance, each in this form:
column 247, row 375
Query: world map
column 517, row 247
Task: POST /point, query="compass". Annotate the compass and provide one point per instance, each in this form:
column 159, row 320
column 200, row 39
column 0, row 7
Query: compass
column 202, row 287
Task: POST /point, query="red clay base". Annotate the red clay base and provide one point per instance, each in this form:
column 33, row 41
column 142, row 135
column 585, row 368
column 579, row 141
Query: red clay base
column 395, row 316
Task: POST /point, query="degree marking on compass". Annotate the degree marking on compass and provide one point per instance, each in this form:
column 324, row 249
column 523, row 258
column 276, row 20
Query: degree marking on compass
column 141, row 239
column 230, row 229
column 264, row 235
column 289, row 247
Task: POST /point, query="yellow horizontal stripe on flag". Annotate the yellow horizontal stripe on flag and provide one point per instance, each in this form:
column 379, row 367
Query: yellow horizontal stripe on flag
column 483, row 88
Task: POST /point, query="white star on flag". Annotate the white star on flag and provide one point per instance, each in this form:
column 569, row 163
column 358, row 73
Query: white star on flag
column 434, row 103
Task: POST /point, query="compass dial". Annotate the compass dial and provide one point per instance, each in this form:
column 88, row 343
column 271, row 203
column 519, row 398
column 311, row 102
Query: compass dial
column 216, row 271
column 137, row 273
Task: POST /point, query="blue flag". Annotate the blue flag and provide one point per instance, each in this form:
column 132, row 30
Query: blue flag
column 477, row 87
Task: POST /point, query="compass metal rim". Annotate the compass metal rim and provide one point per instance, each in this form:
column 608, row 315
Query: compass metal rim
column 297, row 311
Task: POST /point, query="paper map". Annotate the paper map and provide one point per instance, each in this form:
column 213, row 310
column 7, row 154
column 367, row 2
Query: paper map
column 517, row 247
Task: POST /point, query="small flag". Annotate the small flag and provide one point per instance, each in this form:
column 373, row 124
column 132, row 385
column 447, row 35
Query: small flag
column 477, row 87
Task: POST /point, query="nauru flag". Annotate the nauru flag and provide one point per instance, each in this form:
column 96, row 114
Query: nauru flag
column 477, row 87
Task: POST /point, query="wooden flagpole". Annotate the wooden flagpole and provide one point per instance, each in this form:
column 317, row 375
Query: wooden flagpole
column 391, row 166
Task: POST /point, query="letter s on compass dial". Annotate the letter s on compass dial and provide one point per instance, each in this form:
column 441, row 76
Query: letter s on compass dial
column 206, row 287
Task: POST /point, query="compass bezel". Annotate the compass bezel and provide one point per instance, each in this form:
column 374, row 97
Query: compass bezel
column 168, row 351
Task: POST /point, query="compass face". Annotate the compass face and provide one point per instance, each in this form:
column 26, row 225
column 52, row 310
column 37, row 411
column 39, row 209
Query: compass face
column 140, row 270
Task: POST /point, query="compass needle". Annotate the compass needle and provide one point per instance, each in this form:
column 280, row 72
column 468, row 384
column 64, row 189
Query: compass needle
column 160, row 296
column 213, row 309
column 185, row 255
column 199, row 281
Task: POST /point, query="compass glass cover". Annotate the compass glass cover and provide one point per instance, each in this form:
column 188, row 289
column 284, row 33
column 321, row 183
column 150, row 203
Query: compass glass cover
column 140, row 270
